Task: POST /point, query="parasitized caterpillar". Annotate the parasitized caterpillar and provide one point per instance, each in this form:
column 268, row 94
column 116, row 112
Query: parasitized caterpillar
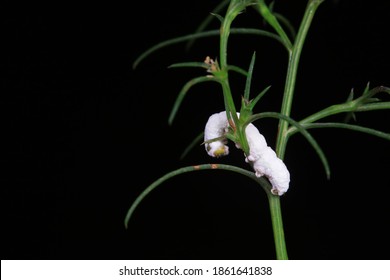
column 263, row 159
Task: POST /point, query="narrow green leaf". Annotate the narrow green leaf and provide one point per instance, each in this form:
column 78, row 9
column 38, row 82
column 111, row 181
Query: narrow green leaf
column 368, row 94
column 220, row 138
column 356, row 105
column 372, row 100
column 282, row 19
column 364, row 100
column 219, row 17
column 351, row 95
column 203, row 25
column 258, row 97
column 261, row 181
column 259, row 32
column 374, row 106
column 173, row 41
column 302, row 130
column 249, row 77
column 366, row 89
column 198, row 139
column 350, row 115
column 189, row 64
column 207, row 66
column 273, row 21
column 359, row 128
column 237, row 69
column 242, row 31
column 183, row 93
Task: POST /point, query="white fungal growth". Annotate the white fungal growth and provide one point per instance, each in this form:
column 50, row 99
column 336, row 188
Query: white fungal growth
column 262, row 158
column 216, row 128
column 265, row 161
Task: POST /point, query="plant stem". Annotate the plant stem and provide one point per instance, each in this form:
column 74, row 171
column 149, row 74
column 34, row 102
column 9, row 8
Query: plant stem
column 281, row 142
column 291, row 77
column 234, row 9
column 277, row 226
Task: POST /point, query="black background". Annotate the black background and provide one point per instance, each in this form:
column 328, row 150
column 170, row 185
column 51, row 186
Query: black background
column 84, row 133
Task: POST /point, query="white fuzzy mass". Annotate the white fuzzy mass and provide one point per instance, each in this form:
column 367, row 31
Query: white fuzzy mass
column 216, row 127
column 262, row 158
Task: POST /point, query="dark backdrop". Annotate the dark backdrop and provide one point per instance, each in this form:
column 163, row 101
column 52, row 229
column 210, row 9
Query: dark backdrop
column 83, row 134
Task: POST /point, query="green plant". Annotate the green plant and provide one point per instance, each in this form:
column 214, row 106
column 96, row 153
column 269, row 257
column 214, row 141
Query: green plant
column 219, row 70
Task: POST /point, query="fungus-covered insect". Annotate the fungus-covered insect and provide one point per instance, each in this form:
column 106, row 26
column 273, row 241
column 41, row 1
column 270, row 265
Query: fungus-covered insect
column 262, row 158
column 215, row 130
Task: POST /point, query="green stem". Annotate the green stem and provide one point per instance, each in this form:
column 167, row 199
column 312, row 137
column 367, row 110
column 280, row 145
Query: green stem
column 273, row 21
column 274, row 201
column 281, row 142
column 292, row 71
column 234, row 9
column 277, row 226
